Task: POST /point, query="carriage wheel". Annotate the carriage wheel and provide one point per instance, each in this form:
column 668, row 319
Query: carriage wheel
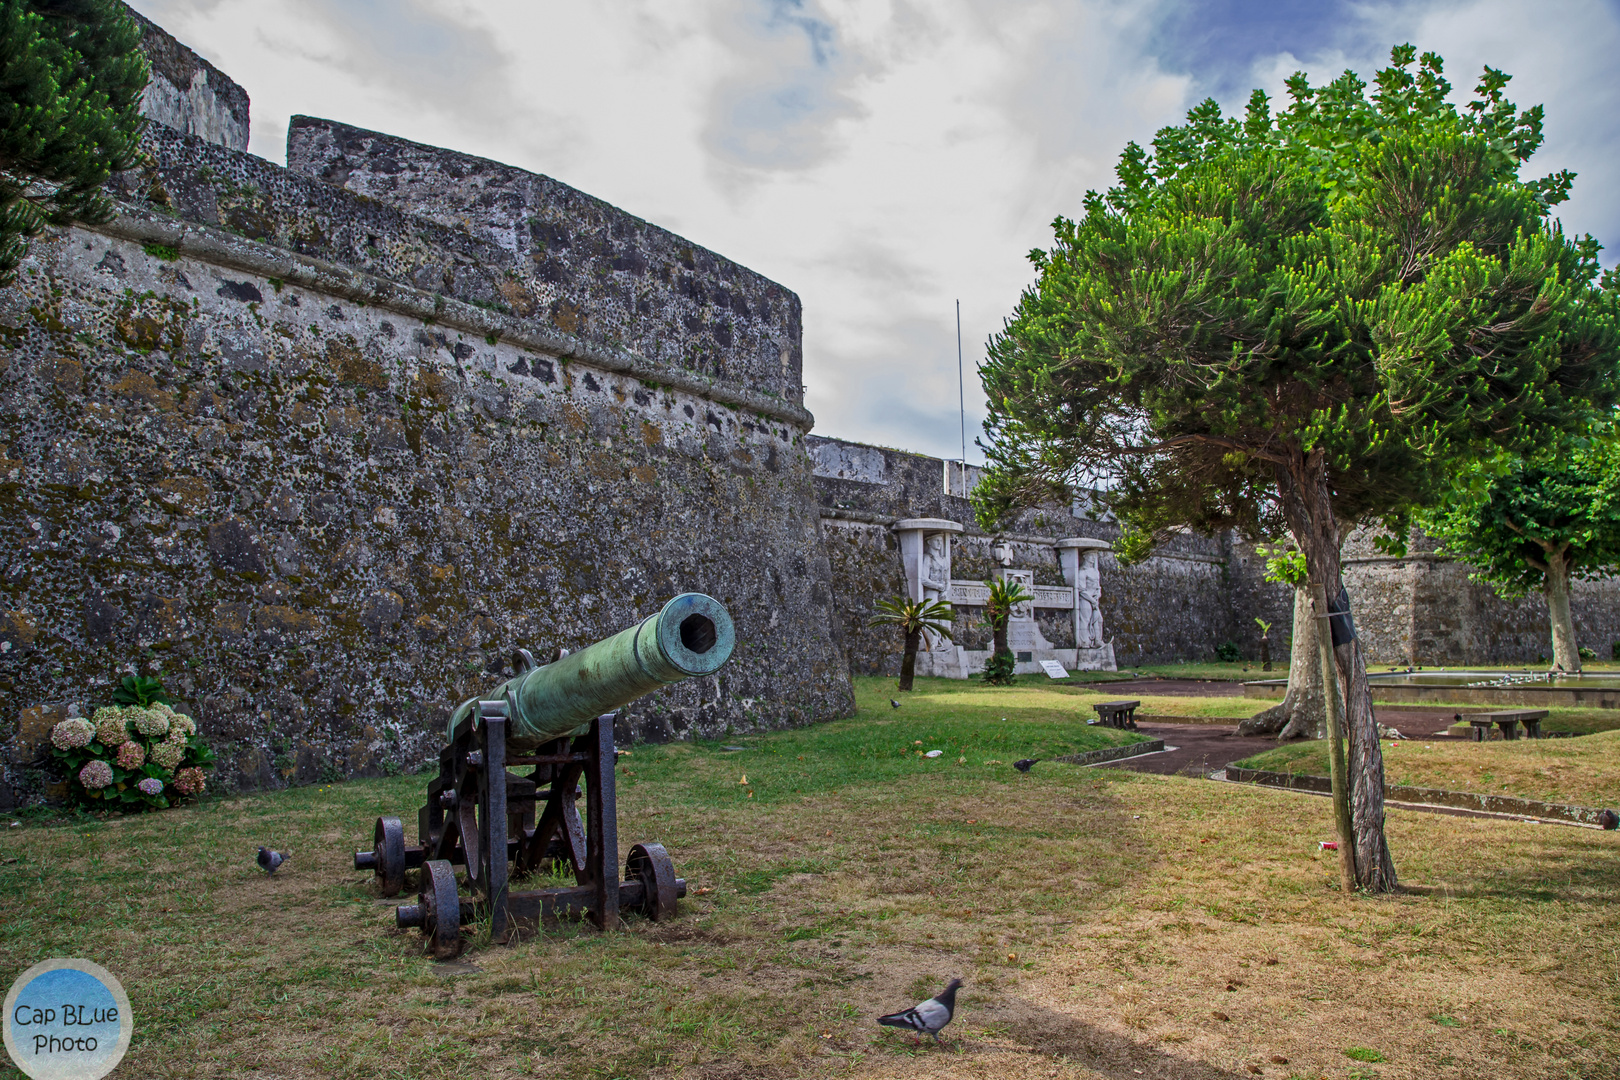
column 388, row 848
column 650, row 864
column 441, row 910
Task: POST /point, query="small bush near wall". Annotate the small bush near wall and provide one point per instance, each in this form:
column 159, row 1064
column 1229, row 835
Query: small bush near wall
column 139, row 755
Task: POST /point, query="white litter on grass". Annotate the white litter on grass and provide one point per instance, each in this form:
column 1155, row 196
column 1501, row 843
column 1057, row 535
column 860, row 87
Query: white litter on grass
column 933, row 753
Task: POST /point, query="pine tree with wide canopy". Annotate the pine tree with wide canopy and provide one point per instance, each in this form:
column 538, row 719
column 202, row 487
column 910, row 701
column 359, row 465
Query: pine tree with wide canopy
column 71, row 78
column 1305, row 321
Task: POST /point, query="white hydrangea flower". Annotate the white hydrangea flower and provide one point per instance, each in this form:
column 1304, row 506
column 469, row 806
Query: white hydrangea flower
column 166, row 755
column 181, row 727
column 72, row 734
column 112, row 728
column 152, row 724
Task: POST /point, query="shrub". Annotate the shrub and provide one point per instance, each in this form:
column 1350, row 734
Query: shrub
column 141, row 755
column 1616, row 650
column 1228, row 652
column 998, row 670
column 1587, row 654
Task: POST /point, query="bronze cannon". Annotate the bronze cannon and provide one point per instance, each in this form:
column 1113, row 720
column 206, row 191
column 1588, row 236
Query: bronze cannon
column 555, row 719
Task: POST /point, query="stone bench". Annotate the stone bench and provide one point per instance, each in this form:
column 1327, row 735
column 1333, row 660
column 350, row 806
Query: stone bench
column 1118, row 714
column 1508, row 720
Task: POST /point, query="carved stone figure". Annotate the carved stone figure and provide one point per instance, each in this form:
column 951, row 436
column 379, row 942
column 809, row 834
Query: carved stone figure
column 936, row 568
column 1088, row 587
column 1025, row 611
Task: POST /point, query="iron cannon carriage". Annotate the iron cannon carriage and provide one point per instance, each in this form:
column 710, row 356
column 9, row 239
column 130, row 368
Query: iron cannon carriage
column 500, row 826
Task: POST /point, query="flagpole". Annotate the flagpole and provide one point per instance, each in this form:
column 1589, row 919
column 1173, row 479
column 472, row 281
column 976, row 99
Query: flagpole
column 961, row 392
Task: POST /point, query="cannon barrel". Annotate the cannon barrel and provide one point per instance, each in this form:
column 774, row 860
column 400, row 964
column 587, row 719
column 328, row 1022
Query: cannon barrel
column 690, row 635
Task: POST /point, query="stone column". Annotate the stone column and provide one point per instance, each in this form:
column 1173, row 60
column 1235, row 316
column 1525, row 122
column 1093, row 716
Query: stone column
column 1079, row 557
column 925, row 553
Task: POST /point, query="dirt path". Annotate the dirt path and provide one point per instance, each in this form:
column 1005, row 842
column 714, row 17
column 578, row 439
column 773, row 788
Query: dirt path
column 1201, row 749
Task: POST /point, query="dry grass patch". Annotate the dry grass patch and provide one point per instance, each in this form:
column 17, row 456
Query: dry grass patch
column 1583, row 771
column 1097, row 916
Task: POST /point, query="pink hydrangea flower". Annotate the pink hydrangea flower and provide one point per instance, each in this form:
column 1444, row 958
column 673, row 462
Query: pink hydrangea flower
column 189, row 781
column 131, row 755
column 151, row 786
column 96, row 775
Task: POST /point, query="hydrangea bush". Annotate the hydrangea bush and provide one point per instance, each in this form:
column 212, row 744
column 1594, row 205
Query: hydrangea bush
column 136, row 756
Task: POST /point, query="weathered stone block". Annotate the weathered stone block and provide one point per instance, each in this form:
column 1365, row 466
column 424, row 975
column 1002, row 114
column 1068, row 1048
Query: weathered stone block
column 33, row 738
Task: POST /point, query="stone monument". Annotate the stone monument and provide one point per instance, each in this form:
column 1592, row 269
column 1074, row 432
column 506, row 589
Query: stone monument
column 925, row 553
column 1079, row 557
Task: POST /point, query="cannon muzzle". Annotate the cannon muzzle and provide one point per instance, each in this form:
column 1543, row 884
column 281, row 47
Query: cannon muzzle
column 691, row 635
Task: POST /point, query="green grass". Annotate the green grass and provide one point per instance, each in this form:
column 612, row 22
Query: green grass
column 1581, row 771
column 1097, row 916
column 1074, row 699
column 975, row 727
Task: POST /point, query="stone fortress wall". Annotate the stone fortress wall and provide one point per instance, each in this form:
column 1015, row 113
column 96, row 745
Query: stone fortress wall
column 1189, row 597
column 320, row 446
column 1172, row 606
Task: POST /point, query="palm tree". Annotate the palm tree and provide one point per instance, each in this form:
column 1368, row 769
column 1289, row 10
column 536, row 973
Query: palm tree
column 913, row 617
column 1004, row 596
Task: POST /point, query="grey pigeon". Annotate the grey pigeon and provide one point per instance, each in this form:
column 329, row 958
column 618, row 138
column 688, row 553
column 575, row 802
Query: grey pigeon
column 893, row 704
column 930, row 1016
column 270, row 860
column 1025, row 764
column 1609, row 819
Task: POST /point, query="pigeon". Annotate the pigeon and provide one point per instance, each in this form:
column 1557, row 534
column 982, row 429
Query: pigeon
column 270, row 860
column 930, row 1016
column 1025, row 764
column 893, row 704
column 1609, row 820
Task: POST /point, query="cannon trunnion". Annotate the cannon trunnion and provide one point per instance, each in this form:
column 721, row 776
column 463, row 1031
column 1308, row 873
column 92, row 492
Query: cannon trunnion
column 501, row 826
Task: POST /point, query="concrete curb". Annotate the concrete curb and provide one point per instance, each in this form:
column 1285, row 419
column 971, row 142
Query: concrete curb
column 1506, row 805
column 1114, row 753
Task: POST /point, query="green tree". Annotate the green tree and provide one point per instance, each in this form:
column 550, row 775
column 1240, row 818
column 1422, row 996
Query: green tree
column 1305, row 321
column 1536, row 526
column 912, row 617
column 71, row 76
column 1005, row 594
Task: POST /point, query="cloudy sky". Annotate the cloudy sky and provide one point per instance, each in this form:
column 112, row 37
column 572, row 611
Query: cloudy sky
column 883, row 158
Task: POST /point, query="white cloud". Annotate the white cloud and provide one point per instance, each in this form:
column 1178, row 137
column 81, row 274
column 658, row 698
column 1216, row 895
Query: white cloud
column 882, row 158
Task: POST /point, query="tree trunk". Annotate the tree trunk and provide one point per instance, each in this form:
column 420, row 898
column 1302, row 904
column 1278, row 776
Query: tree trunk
column 908, row 660
column 1302, row 713
column 1307, row 503
column 999, row 638
column 1555, row 584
